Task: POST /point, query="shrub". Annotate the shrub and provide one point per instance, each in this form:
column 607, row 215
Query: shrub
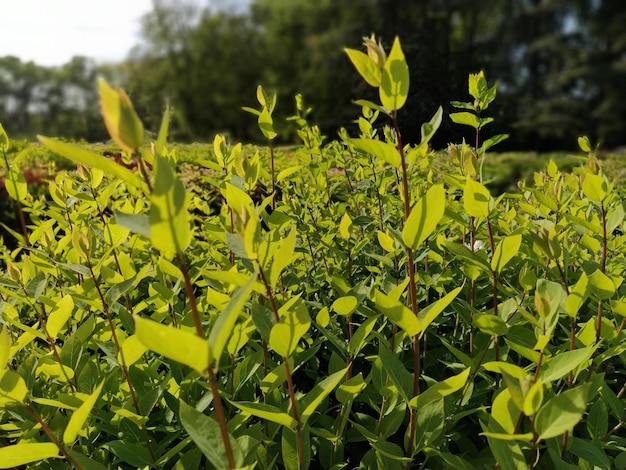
column 412, row 321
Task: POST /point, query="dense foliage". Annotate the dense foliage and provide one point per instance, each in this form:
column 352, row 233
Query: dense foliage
column 414, row 321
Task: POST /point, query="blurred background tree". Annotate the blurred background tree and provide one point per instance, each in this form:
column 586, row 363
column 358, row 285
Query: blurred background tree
column 560, row 66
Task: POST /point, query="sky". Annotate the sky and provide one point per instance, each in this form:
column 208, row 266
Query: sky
column 51, row 32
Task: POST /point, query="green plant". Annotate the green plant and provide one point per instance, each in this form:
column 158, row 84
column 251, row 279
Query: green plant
column 373, row 313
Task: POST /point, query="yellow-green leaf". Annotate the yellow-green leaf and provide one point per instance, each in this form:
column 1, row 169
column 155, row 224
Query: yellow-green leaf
column 267, row 412
column 533, row 399
column 381, row 150
column 285, row 334
column 173, row 343
column 91, row 159
column 394, row 81
column 59, row 315
column 131, row 351
column 169, row 218
column 12, row 387
column 78, row 418
column 601, row 284
column 595, row 187
column 505, row 251
column 5, row 348
column 366, row 67
column 15, row 184
column 223, row 326
column 424, row 217
column 120, row 118
column 398, row 313
column 476, row 198
column 4, row 139
column 12, row 456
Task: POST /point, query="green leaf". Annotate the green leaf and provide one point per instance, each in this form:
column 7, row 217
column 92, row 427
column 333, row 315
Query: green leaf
column 120, row 118
column 577, row 296
column 595, row 187
column 12, row 387
column 12, row 456
column 285, row 334
column 78, row 418
column 429, row 128
column 505, row 412
column 601, row 284
column 4, row 139
column 490, row 324
column 138, row 223
column 169, row 217
column 400, row 377
column 430, row 313
column 322, row 389
column 366, row 67
column 205, row 433
column 173, row 343
column 505, row 251
column 223, row 326
column 359, row 338
column 424, row 217
column 394, row 81
column 476, row 198
column 381, row 150
column 15, row 184
column 441, row 389
column 490, row 142
column 162, row 137
column 91, row 159
column 351, row 388
column 560, row 365
column 467, row 119
column 398, row 313
column 562, row 412
column 584, row 144
column 533, row 399
column 267, row 412
column 266, row 124
column 135, row 455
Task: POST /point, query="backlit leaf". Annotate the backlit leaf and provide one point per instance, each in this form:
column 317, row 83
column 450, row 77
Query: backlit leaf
column 223, row 326
column 285, row 334
column 424, row 217
column 169, row 217
column 120, row 118
column 366, row 67
column 382, row 150
column 505, row 251
column 394, row 81
column 91, row 159
column 476, row 198
column 267, row 412
column 562, row 412
column 310, row 402
column 398, row 313
column 12, row 456
column 173, row 343
column 78, row 418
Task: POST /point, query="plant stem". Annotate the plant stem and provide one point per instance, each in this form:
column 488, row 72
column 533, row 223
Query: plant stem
column 412, row 287
column 292, row 393
column 51, row 436
column 221, row 420
column 197, row 321
column 603, row 269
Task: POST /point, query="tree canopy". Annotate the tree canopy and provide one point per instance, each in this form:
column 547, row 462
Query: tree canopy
column 560, row 68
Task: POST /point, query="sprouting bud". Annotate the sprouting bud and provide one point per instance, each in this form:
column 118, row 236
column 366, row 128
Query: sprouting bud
column 375, row 50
